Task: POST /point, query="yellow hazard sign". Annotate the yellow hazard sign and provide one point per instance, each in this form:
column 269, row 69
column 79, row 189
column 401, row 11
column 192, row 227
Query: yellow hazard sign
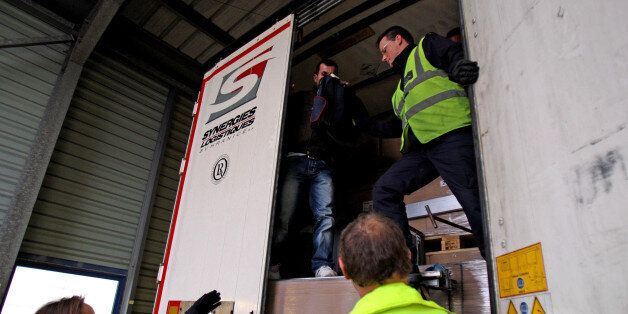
column 511, row 308
column 521, row 272
column 173, row 310
column 537, row 308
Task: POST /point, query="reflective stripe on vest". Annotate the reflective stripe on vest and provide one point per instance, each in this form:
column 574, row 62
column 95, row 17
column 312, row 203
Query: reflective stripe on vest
column 434, row 89
column 422, row 76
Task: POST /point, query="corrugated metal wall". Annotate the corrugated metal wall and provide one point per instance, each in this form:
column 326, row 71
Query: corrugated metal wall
column 27, row 78
column 89, row 204
column 90, row 201
column 164, row 203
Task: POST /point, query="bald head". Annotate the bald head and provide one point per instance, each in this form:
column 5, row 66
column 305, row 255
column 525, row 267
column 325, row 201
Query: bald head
column 373, row 249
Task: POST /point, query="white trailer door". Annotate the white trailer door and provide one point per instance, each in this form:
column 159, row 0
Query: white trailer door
column 220, row 226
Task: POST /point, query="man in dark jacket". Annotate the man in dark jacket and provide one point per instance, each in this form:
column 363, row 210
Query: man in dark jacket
column 314, row 125
column 435, row 126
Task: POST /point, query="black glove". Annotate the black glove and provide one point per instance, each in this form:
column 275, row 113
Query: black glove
column 464, row 72
column 205, row 304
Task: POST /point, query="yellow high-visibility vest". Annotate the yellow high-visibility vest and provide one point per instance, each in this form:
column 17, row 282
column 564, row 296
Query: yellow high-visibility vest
column 429, row 104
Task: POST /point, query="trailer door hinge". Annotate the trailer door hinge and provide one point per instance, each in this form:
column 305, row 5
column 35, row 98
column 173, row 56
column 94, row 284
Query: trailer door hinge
column 159, row 273
column 182, row 167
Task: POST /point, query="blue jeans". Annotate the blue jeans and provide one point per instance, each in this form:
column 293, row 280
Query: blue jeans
column 302, row 174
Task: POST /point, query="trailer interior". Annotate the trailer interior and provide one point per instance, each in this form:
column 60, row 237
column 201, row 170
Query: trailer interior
column 347, row 35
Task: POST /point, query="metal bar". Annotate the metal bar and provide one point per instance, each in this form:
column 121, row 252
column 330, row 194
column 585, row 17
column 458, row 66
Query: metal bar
column 314, row 14
column 439, row 205
column 307, row 7
column 461, row 285
column 480, row 173
column 346, row 32
column 320, row 9
column 13, row 226
column 147, row 204
column 420, row 245
column 198, row 20
column 435, row 218
column 35, row 41
column 447, row 222
column 415, row 230
column 429, row 214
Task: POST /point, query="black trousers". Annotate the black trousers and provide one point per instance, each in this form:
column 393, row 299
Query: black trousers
column 452, row 157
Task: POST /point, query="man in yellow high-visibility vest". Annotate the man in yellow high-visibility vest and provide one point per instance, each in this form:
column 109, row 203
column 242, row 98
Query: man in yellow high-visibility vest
column 435, row 128
column 371, row 254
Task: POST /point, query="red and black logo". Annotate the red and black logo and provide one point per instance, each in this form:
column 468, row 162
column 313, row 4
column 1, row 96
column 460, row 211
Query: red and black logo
column 239, row 86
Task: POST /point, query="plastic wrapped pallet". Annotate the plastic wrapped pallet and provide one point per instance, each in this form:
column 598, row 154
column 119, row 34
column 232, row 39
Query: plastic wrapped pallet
column 311, row 295
column 337, row 295
column 471, row 294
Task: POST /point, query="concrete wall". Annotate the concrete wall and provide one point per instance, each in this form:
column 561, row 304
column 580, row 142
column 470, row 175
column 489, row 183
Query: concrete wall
column 552, row 113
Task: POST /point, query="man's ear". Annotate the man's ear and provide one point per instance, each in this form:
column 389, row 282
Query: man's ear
column 314, row 78
column 342, row 266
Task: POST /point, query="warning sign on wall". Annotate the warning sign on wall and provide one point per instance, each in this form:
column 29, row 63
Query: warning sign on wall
column 538, row 303
column 521, row 272
column 537, row 307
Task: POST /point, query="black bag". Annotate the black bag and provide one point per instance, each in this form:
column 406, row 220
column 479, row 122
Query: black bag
column 337, row 112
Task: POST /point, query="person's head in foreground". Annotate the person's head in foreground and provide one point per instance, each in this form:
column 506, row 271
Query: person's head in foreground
column 73, row 305
column 374, row 256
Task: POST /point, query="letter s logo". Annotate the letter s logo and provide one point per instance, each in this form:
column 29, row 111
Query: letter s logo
column 239, row 86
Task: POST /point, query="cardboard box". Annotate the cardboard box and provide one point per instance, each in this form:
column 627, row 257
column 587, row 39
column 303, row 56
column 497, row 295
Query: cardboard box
column 450, row 242
column 435, row 189
column 311, row 295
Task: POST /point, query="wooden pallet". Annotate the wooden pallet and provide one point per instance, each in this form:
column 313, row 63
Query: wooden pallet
column 450, row 242
column 446, row 242
column 453, row 256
